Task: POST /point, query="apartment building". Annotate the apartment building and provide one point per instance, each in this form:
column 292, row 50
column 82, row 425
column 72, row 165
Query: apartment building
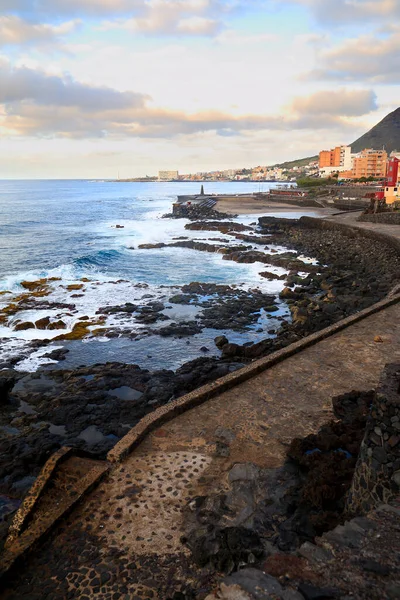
column 368, row 163
column 332, row 161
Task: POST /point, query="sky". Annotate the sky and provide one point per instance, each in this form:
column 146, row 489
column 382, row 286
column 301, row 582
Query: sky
column 107, row 88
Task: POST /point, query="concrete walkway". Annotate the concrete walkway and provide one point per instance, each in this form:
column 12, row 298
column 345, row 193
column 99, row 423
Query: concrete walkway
column 123, row 541
column 351, row 219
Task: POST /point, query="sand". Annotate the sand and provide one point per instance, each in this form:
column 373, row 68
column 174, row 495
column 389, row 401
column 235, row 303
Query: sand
column 245, row 206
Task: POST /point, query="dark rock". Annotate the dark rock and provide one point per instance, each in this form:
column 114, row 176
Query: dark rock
column 310, row 592
column 23, row 326
column 226, row 548
column 8, row 379
column 220, row 341
column 58, row 354
column 256, row 583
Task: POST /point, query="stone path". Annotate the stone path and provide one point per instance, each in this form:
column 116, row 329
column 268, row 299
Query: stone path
column 124, row 540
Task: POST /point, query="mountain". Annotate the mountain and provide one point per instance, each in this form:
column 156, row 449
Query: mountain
column 386, row 134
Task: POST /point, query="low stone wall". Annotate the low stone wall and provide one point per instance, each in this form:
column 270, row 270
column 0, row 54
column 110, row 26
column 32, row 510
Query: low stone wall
column 377, row 475
column 389, row 218
column 351, row 231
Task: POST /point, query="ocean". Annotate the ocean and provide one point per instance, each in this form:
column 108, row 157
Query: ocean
column 66, row 230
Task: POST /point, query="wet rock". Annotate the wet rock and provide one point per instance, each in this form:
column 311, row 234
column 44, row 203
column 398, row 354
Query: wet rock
column 42, row 323
column 8, row 379
column 23, row 326
column 151, row 246
column 272, row 276
column 220, row 341
column 128, row 308
column 58, row 354
column 57, row 325
column 311, row 592
column 179, row 329
column 223, row 227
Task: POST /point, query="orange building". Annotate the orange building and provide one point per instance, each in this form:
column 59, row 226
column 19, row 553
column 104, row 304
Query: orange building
column 368, row 163
column 337, row 159
column 329, row 158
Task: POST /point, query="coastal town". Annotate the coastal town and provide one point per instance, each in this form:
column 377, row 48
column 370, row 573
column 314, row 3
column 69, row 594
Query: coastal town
column 338, row 165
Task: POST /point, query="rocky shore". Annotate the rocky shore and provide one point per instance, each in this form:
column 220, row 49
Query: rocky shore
column 90, row 408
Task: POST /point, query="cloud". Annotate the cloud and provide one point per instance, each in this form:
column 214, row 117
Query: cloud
column 174, row 17
column 22, row 85
column 352, row 11
column 33, row 103
column 366, row 58
column 171, row 17
column 46, row 8
column 338, row 103
column 114, row 8
column 16, row 31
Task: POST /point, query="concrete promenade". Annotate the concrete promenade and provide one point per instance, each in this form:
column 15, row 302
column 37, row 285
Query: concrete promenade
column 351, row 219
column 124, row 539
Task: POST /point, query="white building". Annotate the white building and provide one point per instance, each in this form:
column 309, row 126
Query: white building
column 167, row 175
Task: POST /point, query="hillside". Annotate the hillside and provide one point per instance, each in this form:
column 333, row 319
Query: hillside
column 300, row 162
column 385, row 134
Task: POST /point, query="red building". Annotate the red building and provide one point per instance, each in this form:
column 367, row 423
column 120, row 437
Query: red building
column 392, row 186
column 392, row 172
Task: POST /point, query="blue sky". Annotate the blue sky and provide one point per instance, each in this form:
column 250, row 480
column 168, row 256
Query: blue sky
column 89, row 88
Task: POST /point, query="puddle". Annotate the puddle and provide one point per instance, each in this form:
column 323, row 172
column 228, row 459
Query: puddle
column 26, row 408
column 9, row 430
column 91, row 435
column 58, row 430
column 8, row 506
column 125, row 393
column 28, row 384
column 88, row 377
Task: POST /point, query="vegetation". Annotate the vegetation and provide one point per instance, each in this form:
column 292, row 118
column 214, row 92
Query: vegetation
column 300, row 162
column 315, row 181
column 366, row 179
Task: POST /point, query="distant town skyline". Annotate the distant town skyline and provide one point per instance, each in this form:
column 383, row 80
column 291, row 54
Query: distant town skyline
column 97, row 88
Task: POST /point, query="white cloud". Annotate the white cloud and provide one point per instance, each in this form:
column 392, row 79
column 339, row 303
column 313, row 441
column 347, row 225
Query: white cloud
column 336, row 103
column 367, row 58
column 16, row 31
column 352, row 12
column 174, row 17
column 38, row 104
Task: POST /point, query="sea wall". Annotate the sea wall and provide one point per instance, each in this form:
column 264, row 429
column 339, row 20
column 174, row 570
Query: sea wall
column 376, row 478
column 351, row 231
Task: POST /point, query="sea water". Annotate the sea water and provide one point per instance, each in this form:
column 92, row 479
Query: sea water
column 67, row 230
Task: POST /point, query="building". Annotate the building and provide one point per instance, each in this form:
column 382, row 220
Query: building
column 167, row 175
column 335, row 160
column 392, row 186
column 368, row 163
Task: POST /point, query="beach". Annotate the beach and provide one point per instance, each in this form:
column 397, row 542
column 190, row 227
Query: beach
column 247, row 206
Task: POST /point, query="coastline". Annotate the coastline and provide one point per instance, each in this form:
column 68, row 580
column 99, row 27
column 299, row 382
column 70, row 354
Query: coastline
column 91, row 407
